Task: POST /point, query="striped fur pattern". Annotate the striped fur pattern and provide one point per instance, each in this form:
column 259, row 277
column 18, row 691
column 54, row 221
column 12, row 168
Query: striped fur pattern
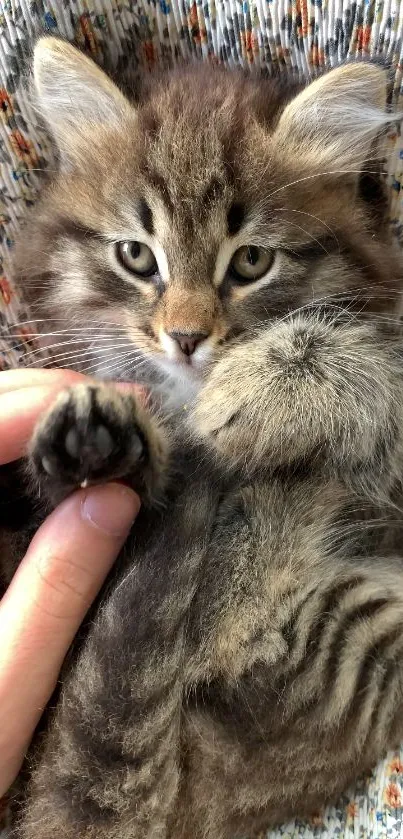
column 244, row 661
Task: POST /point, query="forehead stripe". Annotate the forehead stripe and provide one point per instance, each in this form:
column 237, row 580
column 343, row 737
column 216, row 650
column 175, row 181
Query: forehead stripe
column 160, row 185
column 235, row 218
column 146, row 216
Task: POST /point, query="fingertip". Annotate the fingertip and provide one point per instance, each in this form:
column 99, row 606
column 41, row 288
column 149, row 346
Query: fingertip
column 111, row 508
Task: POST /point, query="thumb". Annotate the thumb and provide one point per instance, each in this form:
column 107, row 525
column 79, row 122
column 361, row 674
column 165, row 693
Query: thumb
column 56, row 582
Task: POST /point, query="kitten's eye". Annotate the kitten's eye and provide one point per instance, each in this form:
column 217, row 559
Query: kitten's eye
column 250, row 263
column 137, row 258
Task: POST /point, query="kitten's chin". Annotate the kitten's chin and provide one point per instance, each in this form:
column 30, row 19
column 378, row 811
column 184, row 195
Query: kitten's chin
column 179, row 369
column 180, row 383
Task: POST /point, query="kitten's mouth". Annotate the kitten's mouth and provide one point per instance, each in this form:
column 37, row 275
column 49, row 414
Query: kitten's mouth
column 181, row 361
column 189, row 372
column 187, row 365
column 192, row 364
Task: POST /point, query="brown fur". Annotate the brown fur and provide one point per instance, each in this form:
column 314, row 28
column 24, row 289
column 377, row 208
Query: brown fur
column 244, row 662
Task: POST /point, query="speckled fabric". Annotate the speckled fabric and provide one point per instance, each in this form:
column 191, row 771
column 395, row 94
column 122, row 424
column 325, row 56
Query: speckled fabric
column 282, row 35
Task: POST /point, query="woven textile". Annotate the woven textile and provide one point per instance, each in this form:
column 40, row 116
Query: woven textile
column 296, row 35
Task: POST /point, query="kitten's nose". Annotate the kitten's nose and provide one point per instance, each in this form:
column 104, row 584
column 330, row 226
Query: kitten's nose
column 188, row 341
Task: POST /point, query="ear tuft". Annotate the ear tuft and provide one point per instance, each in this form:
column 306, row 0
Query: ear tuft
column 74, row 95
column 338, row 116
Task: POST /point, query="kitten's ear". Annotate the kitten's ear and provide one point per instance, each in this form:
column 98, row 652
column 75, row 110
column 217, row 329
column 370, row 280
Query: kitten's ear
column 74, row 96
column 335, row 120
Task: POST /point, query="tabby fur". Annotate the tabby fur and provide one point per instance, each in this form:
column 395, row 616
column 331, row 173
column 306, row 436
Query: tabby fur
column 244, row 662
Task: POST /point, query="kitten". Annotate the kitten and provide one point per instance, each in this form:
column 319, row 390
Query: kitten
column 226, row 235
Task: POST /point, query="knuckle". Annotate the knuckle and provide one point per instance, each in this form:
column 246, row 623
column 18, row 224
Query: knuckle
column 65, row 584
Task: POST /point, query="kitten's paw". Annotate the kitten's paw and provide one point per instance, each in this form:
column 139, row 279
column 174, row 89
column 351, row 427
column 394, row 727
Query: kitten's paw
column 303, row 390
column 95, row 433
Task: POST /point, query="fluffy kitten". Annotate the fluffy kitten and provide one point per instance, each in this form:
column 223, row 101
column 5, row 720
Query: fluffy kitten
column 244, row 662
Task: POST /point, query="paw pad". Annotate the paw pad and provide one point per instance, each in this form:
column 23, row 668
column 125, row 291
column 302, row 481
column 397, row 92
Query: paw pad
column 88, row 437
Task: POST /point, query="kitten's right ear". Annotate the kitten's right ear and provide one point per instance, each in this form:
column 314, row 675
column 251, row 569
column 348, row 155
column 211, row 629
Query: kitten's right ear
column 75, row 97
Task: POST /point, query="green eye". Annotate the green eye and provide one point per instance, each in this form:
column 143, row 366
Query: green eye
column 137, row 258
column 250, row 263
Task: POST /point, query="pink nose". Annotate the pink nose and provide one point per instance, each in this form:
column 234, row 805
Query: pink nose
column 188, row 341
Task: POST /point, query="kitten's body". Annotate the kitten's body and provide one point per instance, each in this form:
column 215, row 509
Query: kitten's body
column 246, row 662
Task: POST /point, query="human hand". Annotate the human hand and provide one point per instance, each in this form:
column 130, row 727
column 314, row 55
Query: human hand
column 59, row 577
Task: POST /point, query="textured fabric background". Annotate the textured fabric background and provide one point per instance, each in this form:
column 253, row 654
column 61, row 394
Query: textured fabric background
column 278, row 34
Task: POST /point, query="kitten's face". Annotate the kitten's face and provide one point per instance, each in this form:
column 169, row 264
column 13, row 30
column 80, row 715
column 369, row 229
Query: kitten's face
column 188, row 221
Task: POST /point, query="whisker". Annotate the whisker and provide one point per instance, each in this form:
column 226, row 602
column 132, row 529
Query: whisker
column 320, row 175
column 73, row 343
column 98, row 364
column 303, row 213
column 314, row 239
column 112, row 368
column 90, row 353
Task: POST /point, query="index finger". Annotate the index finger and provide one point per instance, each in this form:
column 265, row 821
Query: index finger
column 37, row 377
column 24, row 394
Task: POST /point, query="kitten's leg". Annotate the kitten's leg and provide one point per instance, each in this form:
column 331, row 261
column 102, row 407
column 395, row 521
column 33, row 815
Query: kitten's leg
column 94, row 433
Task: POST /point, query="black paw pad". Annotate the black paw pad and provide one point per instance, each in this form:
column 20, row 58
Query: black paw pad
column 87, row 438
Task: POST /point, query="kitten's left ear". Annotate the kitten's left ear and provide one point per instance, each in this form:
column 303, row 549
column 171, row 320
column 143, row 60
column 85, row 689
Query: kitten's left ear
column 75, row 97
column 335, row 120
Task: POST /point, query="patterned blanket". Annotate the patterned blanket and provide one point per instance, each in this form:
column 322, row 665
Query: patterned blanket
column 281, row 35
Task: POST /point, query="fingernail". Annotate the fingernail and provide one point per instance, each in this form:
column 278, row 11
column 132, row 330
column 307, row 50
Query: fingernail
column 111, row 508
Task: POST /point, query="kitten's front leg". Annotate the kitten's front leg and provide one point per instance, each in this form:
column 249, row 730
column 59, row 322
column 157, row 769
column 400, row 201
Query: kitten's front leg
column 93, row 433
column 305, row 390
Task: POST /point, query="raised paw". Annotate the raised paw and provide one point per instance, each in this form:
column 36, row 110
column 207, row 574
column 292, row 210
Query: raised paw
column 305, row 390
column 94, row 433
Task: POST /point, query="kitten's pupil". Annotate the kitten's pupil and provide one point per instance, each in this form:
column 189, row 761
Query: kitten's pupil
column 135, row 250
column 253, row 255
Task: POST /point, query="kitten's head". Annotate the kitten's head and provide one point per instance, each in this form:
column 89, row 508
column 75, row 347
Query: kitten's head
column 212, row 205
